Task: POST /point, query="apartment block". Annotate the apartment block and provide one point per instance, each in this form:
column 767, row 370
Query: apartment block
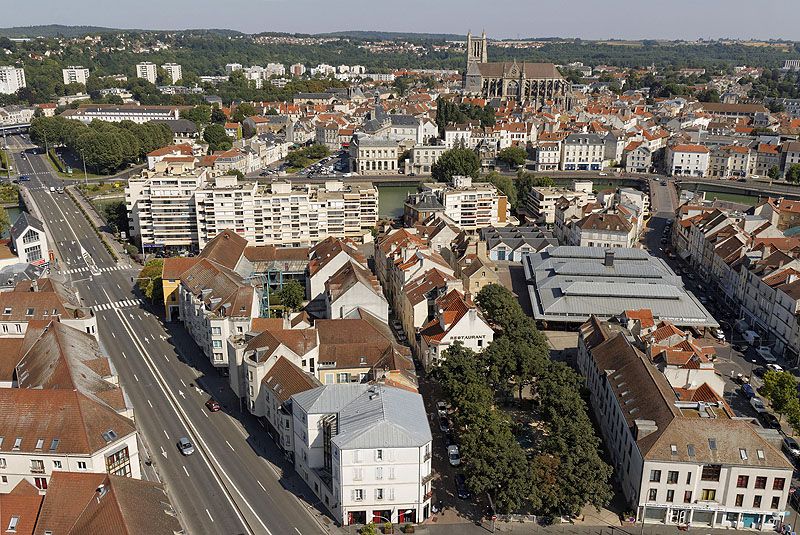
column 148, row 71
column 12, row 79
column 75, row 75
column 173, row 71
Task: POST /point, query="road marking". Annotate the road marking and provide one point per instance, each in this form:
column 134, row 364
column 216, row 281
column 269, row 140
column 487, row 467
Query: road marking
column 186, row 472
column 148, row 402
column 229, row 445
column 298, row 531
column 209, row 515
column 165, row 433
column 164, row 453
column 260, row 485
column 113, row 335
column 123, row 355
column 166, row 357
column 184, row 384
column 134, row 376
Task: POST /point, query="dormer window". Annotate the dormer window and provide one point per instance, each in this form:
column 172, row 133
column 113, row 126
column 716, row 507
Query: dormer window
column 29, row 312
column 7, row 311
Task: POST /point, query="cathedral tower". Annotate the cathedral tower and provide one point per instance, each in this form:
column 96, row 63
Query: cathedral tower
column 477, row 49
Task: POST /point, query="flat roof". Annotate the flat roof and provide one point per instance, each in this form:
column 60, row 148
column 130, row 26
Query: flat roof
column 569, row 284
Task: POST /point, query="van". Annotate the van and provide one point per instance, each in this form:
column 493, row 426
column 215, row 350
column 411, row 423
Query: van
column 752, row 338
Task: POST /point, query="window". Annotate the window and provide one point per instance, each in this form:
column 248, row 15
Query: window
column 342, row 377
column 689, row 478
column 655, row 476
column 357, row 473
column 761, row 482
column 217, row 344
column 778, row 483
column 216, row 331
column 40, row 482
column 4, row 480
column 391, row 472
column 708, row 495
column 687, row 496
column 378, row 455
column 378, row 472
column 711, row 472
column 119, row 463
column 81, row 465
column 358, row 495
column 56, row 464
column 672, row 477
column 739, row 500
column 378, row 494
column 2, row 462
column 12, row 524
column 776, row 502
column 742, row 482
column 670, row 495
column 757, row 501
column 17, row 443
column 37, row 466
column 652, row 495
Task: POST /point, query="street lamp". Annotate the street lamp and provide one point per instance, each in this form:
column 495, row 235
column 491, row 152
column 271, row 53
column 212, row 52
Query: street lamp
column 85, row 178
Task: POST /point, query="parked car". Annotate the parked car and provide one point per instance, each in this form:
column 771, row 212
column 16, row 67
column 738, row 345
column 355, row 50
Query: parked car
column 766, row 353
column 718, row 334
column 441, row 407
column 453, row 456
column 461, row 487
column 185, row 447
column 791, row 447
column 760, row 371
column 444, row 423
column 769, row 421
column 757, row 404
column 24, row 178
column 775, row 367
column 747, row 391
column 212, row 404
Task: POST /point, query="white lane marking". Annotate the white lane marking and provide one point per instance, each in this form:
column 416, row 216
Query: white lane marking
column 124, row 355
column 229, row 445
column 298, row 531
column 113, row 335
column 134, row 376
column 148, row 402
column 186, row 472
column 165, row 433
column 209, row 515
column 167, row 359
column 184, row 384
column 260, row 485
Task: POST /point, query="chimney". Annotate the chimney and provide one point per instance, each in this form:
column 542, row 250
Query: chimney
column 644, row 428
column 609, row 258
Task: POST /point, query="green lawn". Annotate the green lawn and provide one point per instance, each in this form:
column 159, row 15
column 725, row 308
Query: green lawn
column 9, row 193
column 102, row 189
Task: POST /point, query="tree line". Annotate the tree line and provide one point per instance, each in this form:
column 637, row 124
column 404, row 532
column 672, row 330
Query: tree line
column 105, row 147
column 563, row 470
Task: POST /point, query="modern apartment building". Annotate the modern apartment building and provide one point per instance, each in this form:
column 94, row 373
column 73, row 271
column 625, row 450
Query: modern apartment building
column 148, row 71
column 75, row 75
column 11, row 79
column 469, row 205
column 541, row 202
column 173, row 71
column 180, row 206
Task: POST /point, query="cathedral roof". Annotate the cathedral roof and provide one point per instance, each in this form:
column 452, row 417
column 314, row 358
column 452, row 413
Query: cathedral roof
column 507, row 69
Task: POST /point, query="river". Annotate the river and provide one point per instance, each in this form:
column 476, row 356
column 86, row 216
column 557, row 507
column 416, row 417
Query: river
column 391, row 199
column 13, row 213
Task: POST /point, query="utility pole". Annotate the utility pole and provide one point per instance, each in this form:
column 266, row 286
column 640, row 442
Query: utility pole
column 85, row 178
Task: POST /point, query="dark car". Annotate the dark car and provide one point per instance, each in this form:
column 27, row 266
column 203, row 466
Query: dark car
column 748, row 392
column 461, row 487
column 769, row 421
column 213, row 405
column 760, row 371
column 24, row 178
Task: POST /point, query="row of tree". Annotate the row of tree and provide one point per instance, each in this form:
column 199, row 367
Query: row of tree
column 564, row 470
column 448, row 112
column 105, row 147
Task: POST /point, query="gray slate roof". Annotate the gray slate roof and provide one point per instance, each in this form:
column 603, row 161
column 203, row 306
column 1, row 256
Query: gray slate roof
column 22, row 223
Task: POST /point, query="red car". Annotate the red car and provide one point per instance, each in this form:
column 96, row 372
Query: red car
column 212, row 404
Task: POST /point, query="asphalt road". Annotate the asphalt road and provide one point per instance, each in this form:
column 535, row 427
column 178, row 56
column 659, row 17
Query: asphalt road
column 236, row 482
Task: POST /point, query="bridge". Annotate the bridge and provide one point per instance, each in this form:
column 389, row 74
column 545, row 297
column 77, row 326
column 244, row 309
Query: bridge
column 10, row 129
column 751, row 187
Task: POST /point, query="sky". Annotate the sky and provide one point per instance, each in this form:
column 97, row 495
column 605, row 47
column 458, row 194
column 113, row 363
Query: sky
column 586, row 19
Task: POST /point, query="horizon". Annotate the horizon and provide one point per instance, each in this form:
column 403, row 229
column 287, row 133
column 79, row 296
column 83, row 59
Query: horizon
column 586, row 19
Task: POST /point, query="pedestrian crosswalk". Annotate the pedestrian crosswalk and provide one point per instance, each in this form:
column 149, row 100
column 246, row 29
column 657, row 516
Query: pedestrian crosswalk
column 86, row 269
column 124, row 303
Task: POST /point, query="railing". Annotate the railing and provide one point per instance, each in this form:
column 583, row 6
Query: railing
column 427, row 456
column 37, row 470
column 427, row 478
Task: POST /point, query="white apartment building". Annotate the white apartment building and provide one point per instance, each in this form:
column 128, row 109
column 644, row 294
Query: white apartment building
column 365, row 450
column 688, row 160
column 11, row 79
column 180, row 206
column 601, row 230
column 114, row 114
column 71, row 432
column 173, row 71
column 471, row 205
column 75, row 75
column 148, row 71
column 583, row 152
column 679, row 461
column 374, row 155
column 422, row 159
column 29, row 240
column 542, row 201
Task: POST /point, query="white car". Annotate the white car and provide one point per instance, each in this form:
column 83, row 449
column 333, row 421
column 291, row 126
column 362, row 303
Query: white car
column 453, row 455
column 775, row 367
column 766, row 353
column 718, row 334
column 758, row 405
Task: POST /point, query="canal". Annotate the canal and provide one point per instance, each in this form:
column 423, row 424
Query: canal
column 391, row 199
column 749, row 200
column 13, row 213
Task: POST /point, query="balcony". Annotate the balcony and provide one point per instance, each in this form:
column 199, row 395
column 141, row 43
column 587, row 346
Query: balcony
column 37, row 470
column 427, row 456
column 428, row 496
column 427, row 478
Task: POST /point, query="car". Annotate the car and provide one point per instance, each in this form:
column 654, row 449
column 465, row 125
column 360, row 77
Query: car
column 52, row 189
column 662, row 241
column 441, row 407
column 760, row 371
column 691, row 276
column 663, row 182
column 213, row 405
column 769, row 421
column 791, row 447
column 774, row 367
column 185, row 447
column 24, row 178
column 718, row 334
column 444, row 424
column 461, row 487
column 59, row 190
column 453, row 456
column 757, row 404
column 741, row 179
column 747, row 391
column 766, row 353
column 602, row 174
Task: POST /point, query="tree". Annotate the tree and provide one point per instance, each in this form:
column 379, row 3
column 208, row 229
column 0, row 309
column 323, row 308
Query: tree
column 368, row 529
column 774, row 172
column 5, row 222
column 216, row 137
column 780, row 388
column 793, row 173
column 248, row 130
column 454, row 162
column 709, row 95
column 149, row 281
column 235, row 172
column 218, row 116
column 199, row 115
column 292, row 295
column 499, row 305
column 513, row 156
column 116, row 216
column 243, row 111
column 506, row 185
